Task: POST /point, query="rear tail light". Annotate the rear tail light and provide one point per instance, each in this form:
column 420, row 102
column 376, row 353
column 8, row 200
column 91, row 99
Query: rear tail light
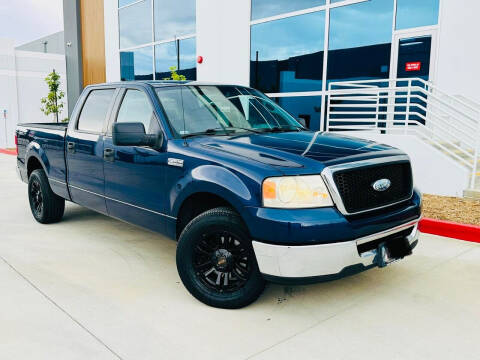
column 16, row 143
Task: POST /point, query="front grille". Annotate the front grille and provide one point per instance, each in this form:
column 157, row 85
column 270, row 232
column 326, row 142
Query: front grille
column 355, row 186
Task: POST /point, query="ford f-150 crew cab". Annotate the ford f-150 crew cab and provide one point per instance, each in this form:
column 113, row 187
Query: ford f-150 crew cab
column 248, row 192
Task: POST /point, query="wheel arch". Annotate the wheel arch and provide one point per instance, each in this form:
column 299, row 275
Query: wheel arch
column 34, row 163
column 196, row 204
column 36, row 159
column 208, row 187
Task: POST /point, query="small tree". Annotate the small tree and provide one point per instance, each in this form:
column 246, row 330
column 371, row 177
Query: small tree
column 174, row 75
column 52, row 104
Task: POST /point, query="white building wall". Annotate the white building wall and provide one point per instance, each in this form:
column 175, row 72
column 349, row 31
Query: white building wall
column 8, row 93
column 458, row 72
column 223, row 40
column 112, row 41
column 22, row 85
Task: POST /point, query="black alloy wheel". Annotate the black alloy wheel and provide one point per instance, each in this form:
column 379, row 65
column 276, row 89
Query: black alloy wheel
column 47, row 207
column 36, row 198
column 216, row 261
column 221, row 261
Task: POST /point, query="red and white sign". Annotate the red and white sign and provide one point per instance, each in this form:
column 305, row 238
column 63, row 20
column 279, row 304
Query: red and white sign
column 413, row 66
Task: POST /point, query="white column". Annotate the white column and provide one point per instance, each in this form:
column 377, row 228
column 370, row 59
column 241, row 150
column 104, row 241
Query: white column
column 112, row 55
column 223, row 40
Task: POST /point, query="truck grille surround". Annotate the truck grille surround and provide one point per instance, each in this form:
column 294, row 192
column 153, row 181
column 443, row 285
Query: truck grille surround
column 353, row 191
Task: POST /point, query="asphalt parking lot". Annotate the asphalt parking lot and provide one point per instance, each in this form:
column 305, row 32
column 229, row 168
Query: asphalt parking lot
column 91, row 287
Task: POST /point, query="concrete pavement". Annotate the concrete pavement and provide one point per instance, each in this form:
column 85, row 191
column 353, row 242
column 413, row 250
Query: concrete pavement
column 91, row 287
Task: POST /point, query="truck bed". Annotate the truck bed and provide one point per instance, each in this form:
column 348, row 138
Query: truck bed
column 46, row 141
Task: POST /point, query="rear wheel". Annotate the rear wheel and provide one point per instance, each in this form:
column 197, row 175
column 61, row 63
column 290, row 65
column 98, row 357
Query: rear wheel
column 47, row 207
column 216, row 261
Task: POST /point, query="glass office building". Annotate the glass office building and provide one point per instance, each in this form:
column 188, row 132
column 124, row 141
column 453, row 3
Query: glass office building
column 296, row 48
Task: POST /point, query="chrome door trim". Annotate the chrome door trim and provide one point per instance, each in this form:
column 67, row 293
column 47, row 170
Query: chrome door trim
column 122, row 202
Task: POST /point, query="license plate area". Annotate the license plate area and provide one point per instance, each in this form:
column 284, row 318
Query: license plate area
column 391, row 251
column 388, row 249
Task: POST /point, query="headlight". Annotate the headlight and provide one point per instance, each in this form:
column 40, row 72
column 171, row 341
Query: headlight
column 293, row 192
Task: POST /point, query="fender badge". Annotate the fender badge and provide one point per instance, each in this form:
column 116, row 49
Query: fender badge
column 175, row 162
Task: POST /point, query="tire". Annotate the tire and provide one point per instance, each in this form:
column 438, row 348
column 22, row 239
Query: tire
column 47, row 207
column 220, row 273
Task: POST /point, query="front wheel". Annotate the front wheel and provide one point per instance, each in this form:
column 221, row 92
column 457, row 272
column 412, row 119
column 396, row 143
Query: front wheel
column 216, row 261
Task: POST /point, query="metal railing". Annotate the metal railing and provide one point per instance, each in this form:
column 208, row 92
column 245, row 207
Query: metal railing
column 410, row 106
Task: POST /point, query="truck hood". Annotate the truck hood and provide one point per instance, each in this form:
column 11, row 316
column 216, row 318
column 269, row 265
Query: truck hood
column 292, row 149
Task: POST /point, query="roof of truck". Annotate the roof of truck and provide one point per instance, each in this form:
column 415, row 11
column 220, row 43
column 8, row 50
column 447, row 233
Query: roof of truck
column 159, row 83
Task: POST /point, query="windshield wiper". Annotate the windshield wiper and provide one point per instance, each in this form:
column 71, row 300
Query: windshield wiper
column 277, row 129
column 207, row 132
column 256, row 131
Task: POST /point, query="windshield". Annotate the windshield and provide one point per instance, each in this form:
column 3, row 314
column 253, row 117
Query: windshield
column 219, row 110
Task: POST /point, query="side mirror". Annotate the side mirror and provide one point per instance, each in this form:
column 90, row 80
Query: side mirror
column 302, row 122
column 133, row 134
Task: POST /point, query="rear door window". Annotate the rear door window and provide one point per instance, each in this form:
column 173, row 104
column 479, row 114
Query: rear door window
column 95, row 110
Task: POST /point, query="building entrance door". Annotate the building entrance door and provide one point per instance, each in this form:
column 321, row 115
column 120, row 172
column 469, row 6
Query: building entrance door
column 414, row 54
column 413, row 57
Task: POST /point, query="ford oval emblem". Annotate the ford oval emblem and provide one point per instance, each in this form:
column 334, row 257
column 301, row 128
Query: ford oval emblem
column 381, row 185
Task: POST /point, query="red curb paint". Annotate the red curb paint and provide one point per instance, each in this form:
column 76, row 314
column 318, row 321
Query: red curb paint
column 8, row 152
column 450, row 229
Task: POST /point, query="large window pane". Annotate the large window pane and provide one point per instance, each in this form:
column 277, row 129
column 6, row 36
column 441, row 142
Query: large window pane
column 181, row 54
column 165, row 58
column 307, row 108
column 360, row 41
column 136, row 64
column 415, row 13
column 174, row 18
column 266, row 8
column 287, row 54
column 188, row 58
column 125, row 2
column 135, row 24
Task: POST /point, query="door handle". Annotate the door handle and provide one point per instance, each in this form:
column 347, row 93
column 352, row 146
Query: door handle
column 71, row 147
column 108, row 154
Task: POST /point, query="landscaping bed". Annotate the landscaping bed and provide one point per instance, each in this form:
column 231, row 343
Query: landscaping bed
column 459, row 210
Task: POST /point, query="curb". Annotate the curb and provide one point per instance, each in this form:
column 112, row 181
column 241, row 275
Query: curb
column 450, row 229
column 8, row 152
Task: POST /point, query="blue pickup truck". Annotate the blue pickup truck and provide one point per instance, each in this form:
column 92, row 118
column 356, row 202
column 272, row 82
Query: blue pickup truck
column 248, row 192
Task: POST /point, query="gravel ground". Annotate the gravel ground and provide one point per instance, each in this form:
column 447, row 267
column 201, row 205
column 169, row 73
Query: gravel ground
column 460, row 210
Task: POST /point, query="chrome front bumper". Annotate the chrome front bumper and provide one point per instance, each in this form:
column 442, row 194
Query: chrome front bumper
column 322, row 260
